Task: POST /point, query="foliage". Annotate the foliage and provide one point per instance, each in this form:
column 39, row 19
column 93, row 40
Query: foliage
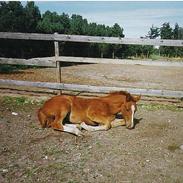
column 169, row 33
column 11, row 17
column 32, row 16
column 52, row 22
column 16, row 18
column 154, row 32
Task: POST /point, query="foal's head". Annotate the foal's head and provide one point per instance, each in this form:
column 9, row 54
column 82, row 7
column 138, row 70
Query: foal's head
column 129, row 108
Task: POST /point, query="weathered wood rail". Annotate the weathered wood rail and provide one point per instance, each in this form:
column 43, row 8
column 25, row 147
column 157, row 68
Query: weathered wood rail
column 51, row 62
column 55, row 62
column 93, row 89
column 90, row 39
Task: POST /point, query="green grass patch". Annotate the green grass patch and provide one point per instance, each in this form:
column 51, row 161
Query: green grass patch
column 20, row 101
column 156, row 107
column 155, row 57
column 173, row 147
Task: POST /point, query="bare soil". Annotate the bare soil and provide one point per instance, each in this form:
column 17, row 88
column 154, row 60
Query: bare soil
column 149, row 153
column 133, row 76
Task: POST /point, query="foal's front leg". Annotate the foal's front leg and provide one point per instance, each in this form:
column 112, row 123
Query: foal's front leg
column 118, row 122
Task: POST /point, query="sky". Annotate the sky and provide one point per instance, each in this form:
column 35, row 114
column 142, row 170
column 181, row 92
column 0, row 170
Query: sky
column 135, row 17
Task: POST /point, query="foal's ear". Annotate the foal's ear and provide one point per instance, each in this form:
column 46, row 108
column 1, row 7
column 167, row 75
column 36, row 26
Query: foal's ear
column 136, row 98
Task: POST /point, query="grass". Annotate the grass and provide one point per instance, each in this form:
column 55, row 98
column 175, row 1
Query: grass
column 173, row 147
column 155, row 57
column 20, row 101
column 156, row 107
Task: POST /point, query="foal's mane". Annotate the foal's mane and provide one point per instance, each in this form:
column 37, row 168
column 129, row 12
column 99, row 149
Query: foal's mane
column 119, row 93
column 125, row 93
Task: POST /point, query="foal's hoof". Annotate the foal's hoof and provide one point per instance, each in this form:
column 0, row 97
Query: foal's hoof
column 79, row 126
column 78, row 133
column 129, row 127
column 83, row 126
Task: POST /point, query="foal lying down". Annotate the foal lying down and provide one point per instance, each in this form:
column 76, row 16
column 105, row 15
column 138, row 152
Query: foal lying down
column 91, row 114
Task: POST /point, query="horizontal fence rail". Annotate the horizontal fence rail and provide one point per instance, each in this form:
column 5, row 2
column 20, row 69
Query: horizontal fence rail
column 51, row 62
column 90, row 39
column 42, row 62
column 56, row 62
column 95, row 89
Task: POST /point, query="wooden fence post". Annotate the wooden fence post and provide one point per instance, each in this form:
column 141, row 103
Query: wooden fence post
column 58, row 69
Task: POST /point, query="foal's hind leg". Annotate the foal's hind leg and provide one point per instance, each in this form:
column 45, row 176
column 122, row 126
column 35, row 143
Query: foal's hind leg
column 101, row 117
column 94, row 128
column 70, row 128
column 104, row 123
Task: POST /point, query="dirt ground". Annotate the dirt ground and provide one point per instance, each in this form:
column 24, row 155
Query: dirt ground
column 133, row 76
column 149, row 153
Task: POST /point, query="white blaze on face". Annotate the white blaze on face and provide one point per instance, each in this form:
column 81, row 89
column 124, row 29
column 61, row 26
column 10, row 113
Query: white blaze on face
column 133, row 110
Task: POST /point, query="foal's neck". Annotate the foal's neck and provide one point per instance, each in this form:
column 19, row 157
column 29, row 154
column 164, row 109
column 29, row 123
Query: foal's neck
column 114, row 102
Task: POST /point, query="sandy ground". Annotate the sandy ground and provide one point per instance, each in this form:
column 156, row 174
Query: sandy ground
column 133, row 76
column 149, row 153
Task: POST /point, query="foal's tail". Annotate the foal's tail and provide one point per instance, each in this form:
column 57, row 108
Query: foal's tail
column 44, row 119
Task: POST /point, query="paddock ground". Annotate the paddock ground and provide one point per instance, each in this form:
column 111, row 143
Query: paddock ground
column 132, row 76
column 149, row 153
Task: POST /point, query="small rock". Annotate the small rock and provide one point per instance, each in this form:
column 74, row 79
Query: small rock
column 86, row 170
column 46, row 157
column 181, row 147
column 147, row 160
column 5, row 170
column 14, row 113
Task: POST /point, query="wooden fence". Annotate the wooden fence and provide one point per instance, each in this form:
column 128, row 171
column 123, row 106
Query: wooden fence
column 55, row 62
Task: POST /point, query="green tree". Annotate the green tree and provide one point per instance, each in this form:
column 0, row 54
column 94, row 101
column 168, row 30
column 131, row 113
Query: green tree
column 176, row 31
column 117, row 31
column 78, row 25
column 180, row 33
column 52, row 22
column 32, row 16
column 11, row 17
column 154, row 32
column 166, row 32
